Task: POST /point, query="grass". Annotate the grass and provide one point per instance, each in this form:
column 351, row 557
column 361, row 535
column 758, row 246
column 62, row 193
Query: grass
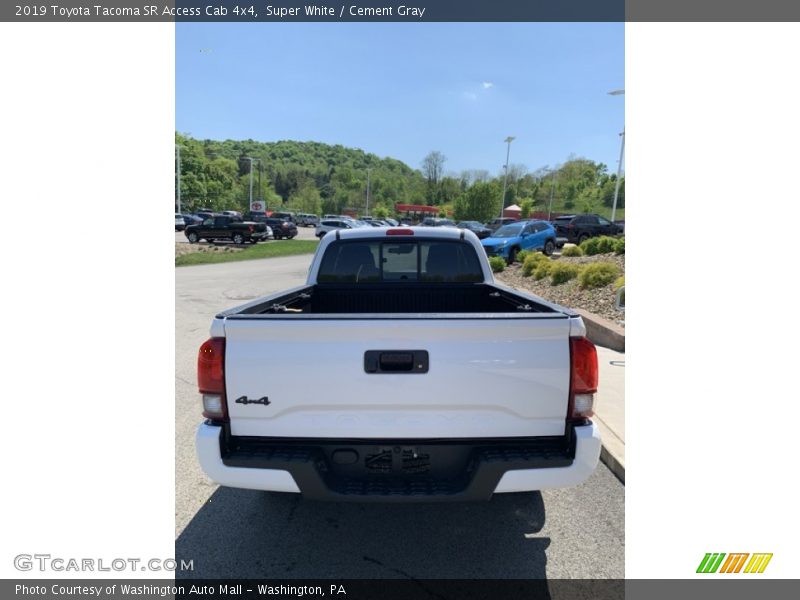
column 262, row 250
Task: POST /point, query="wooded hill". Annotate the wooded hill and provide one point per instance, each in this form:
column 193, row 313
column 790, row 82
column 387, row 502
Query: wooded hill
column 321, row 178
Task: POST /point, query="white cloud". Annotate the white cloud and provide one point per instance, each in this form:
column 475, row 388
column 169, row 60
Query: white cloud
column 487, row 84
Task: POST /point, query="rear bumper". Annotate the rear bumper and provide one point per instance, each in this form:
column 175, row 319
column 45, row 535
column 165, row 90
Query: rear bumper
column 472, row 470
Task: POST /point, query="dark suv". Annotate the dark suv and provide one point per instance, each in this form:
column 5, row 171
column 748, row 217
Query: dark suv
column 281, row 228
column 496, row 224
column 434, row 222
column 577, row 228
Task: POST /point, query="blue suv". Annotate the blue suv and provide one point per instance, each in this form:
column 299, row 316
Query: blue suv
column 522, row 235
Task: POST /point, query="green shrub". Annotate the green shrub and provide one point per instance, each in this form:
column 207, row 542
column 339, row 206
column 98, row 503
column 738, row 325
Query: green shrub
column 619, row 282
column 599, row 245
column 589, row 247
column 598, row 274
column 542, row 269
column 563, row 272
column 498, row 264
column 531, row 261
column 522, row 255
column 572, row 251
column 619, row 247
column 607, row 244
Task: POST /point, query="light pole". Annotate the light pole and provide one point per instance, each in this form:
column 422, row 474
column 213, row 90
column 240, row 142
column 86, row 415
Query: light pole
column 552, row 193
column 619, row 166
column 178, row 169
column 508, row 141
column 367, row 211
column 251, row 178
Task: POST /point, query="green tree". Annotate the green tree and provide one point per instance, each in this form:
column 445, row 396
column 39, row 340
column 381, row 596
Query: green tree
column 306, row 199
column 481, row 202
column 526, row 206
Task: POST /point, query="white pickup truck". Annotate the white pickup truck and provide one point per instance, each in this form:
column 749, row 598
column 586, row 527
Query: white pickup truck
column 400, row 372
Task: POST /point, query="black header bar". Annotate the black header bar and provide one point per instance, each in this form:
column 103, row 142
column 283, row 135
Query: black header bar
column 411, row 11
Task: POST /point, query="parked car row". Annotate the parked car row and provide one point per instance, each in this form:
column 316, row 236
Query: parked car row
column 282, row 227
column 227, row 227
column 577, row 228
column 332, row 223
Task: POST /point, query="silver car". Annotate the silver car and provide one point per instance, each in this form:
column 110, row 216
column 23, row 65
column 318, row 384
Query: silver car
column 332, row 224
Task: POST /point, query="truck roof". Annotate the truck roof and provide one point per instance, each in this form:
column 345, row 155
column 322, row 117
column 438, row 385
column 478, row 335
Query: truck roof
column 408, row 234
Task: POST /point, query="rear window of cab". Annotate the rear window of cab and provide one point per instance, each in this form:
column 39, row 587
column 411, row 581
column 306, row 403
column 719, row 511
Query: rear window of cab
column 393, row 261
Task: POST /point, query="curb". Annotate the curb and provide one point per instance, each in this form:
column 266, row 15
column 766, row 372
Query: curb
column 603, row 332
column 613, row 464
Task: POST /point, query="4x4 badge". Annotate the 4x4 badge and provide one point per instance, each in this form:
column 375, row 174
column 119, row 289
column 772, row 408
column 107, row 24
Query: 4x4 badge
column 245, row 400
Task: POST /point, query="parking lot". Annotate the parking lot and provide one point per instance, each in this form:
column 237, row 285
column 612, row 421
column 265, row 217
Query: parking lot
column 303, row 233
column 567, row 533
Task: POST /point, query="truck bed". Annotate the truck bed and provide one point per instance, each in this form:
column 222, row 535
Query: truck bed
column 378, row 299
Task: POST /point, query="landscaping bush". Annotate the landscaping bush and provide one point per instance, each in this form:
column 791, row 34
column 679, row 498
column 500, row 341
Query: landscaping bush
column 498, row 264
column 619, row 282
column 563, row 272
column 531, row 262
column 542, row 269
column 619, row 247
column 522, row 255
column 598, row 274
column 599, row 245
column 572, row 251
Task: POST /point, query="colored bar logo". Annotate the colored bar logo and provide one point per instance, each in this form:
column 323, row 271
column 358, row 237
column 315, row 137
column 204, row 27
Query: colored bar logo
column 713, row 562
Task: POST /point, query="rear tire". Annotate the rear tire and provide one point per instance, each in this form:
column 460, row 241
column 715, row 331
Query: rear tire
column 549, row 248
column 192, row 237
column 512, row 256
column 582, row 238
column 238, row 239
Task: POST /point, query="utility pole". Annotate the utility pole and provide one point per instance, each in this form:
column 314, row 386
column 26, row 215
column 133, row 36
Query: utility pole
column 178, row 169
column 260, row 189
column 619, row 173
column 552, row 193
column 508, row 141
column 367, row 212
column 619, row 166
column 251, row 178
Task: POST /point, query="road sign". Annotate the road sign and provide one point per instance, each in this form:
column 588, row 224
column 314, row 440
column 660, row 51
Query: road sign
column 257, row 206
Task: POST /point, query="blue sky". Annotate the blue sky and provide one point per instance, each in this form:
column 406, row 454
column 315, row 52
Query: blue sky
column 402, row 90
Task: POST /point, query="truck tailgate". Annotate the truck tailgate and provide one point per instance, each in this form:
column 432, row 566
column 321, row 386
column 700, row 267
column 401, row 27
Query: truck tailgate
column 486, row 377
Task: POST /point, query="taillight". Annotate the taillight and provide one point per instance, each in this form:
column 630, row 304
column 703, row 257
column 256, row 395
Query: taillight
column 399, row 232
column 211, row 379
column 570, row 226
column 583, row 378
column 250, row 228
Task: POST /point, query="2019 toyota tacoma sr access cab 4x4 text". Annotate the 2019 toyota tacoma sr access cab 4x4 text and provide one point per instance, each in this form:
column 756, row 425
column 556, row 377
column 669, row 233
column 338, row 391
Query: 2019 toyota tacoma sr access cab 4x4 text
column 423, row 380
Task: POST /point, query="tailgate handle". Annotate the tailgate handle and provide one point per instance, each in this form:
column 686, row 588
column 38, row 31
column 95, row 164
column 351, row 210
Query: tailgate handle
column 396, row 361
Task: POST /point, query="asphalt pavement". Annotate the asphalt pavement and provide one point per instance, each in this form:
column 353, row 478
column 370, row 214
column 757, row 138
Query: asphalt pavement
column 568, row 533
